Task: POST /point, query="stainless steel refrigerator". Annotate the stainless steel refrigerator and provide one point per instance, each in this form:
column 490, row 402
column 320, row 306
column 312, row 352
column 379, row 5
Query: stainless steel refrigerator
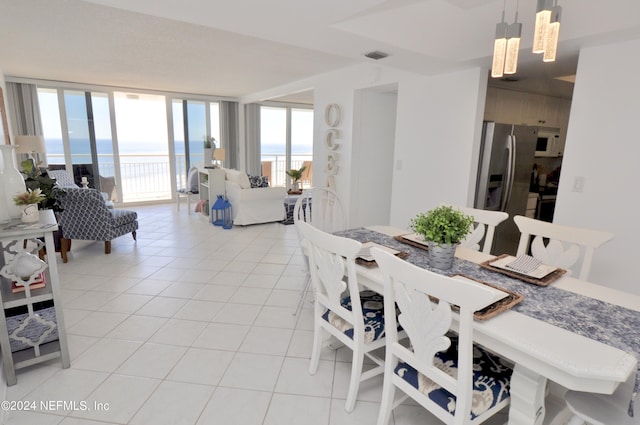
column 504, row 177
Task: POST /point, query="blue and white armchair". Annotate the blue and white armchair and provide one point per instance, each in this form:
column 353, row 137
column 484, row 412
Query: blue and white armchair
column 86, row 217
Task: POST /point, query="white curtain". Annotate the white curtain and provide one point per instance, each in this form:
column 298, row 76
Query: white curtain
column 252, row 139
column 24, row 109
column 229, row 132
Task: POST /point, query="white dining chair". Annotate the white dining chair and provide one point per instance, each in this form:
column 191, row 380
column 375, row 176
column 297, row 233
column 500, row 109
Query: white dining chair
column 321, row 207
column 341, row 310
column 603, row 409
column 458, row 382
column 485, row 223
column 567, row 246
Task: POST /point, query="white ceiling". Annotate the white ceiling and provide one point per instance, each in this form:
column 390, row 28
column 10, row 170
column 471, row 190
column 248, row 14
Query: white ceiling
column 239, row 47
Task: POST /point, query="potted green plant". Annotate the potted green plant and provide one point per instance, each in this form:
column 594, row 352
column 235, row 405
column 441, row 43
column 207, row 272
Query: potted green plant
column 28, row 203
column 443, row 228
column 296, row 175
column 209, row 147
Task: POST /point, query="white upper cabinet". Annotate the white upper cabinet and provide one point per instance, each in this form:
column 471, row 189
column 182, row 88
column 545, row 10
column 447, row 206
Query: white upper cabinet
column 514, row 107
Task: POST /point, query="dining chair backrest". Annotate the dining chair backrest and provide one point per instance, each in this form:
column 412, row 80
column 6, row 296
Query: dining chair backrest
column 427, row 325
column 322, row 208
column 331, row 259
column 566, row 245
column 485, row 225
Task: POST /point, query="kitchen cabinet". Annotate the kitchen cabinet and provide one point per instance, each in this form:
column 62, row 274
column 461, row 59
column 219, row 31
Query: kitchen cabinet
column 514, row 107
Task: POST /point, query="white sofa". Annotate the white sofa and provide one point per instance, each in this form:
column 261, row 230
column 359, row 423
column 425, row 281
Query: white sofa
column 253, row 205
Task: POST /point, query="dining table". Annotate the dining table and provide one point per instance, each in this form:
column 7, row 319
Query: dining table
column 570, row 335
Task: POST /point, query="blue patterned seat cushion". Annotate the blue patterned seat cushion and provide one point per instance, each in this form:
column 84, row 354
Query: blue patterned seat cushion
column 491, row 378
column 373, row 312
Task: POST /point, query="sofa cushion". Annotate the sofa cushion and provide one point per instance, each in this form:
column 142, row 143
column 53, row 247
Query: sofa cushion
column 239, row 177
column 258, row 181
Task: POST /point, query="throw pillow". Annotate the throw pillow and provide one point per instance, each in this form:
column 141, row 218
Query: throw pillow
column 192, row 180
column 259, row 181
column 244, row 181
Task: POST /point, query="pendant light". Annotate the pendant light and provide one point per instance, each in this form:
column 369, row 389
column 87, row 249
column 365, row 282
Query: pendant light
column 500, row 47
column 553, row 31
column 514, row 32
column 543, row 17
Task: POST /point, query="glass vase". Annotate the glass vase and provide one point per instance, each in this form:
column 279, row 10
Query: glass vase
column 12, row 181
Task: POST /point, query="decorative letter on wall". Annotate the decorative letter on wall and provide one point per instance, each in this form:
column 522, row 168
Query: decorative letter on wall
column 332, row 117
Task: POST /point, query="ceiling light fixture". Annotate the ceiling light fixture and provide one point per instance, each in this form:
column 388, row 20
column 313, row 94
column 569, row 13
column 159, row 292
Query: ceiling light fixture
column 543, row 16
column 500, row 47
column 553, row 31
column 514, row 32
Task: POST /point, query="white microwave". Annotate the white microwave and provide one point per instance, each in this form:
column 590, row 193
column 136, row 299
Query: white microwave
column 548, row 144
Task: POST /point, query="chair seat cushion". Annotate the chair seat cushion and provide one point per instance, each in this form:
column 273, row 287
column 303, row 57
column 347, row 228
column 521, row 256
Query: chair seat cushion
column 491, row 378
column 187, row 192
column 122, row 217
column 373, row 312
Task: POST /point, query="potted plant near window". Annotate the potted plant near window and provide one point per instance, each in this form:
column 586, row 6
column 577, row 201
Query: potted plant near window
column 209, row 147
column 28, row 203
column 296, row 175
column 443, row 228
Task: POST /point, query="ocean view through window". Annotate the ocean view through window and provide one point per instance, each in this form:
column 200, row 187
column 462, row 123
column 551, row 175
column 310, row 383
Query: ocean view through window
column 147, row 164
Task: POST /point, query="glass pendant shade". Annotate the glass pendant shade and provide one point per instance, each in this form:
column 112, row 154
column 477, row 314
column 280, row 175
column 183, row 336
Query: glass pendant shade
column 514, row 33
column 499, row 50
column 553, row 31
column 543, row 16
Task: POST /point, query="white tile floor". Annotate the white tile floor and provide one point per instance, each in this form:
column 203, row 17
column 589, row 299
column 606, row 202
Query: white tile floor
column 193, row 324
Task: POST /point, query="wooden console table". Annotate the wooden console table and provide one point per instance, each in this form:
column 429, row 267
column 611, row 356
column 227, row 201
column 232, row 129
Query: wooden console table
column 32, row 326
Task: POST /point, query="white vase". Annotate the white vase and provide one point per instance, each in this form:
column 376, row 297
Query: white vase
column 12, row 181
column 29, row 213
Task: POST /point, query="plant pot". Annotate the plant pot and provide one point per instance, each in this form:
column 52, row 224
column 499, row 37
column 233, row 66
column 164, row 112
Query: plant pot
column 29, row 213
column 441, row 256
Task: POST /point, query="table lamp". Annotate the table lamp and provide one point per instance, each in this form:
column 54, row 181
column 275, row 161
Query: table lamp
column 30, row 145
column 218, row 156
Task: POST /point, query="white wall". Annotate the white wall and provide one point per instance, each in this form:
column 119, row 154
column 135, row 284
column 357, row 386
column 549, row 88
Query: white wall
column 372, row 162
column 603, row 147
column 437, row 142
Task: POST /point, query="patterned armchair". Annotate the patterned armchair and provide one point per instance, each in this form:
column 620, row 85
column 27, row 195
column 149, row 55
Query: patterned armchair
column 86, row 217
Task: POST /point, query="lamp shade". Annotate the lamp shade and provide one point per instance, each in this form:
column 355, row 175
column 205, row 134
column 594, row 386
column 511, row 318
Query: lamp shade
column 218, row 154
column 30, row 144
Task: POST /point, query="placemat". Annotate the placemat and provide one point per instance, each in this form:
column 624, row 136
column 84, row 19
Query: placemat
column 545, row 281
column 497, row 307
column 400, row 238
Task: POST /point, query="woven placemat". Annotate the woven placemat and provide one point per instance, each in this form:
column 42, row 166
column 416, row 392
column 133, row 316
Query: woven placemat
column 372, row 263
column 400, row 238
column 497, row 307
column 545, row 281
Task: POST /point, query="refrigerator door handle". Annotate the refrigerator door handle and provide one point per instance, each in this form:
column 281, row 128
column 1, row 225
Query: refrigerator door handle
column 511, row 154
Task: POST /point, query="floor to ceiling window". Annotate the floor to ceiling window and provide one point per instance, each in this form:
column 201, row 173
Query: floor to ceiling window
column 141, row 123
column 121, row 142
column 286, row 142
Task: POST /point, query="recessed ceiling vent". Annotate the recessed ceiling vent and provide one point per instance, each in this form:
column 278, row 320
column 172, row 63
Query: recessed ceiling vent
column 376, row 55
column 510, row 79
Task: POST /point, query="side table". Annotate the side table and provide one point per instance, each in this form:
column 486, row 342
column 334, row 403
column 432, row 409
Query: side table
column 32, row 326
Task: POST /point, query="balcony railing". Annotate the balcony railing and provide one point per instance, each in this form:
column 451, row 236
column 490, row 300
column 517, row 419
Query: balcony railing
column 147, row 177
